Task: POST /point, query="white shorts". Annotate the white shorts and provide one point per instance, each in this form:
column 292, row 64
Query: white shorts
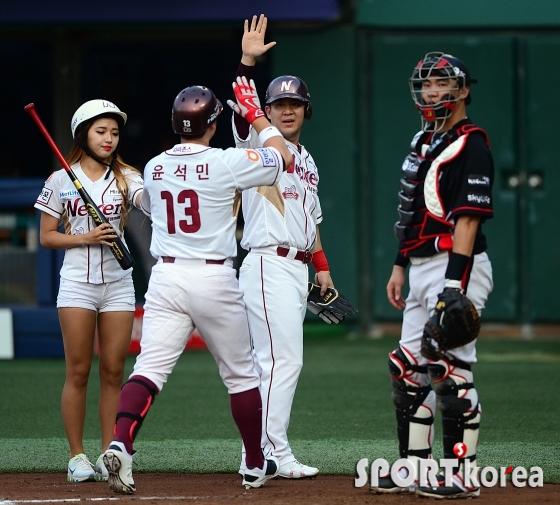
column 113, row 296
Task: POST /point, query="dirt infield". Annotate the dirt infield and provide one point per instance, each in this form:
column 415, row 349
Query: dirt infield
column 160, row 489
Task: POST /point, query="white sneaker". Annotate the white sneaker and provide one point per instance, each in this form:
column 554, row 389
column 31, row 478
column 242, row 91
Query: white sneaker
column 295, row 470
column 101, row 473
column 119, row 466
column 256, row 477
column 80, row 469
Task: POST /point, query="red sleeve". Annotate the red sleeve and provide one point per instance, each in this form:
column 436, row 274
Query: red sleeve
column 241, row 124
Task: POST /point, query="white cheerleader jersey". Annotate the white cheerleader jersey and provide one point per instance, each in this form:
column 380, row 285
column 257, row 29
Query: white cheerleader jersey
column 93, row 263
column 192, row 194
column 287, row 213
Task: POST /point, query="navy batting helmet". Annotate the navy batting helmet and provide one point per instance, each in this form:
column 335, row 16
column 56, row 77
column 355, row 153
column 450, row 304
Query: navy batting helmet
column 289, row 86
column 194, row 110
column 442, row 66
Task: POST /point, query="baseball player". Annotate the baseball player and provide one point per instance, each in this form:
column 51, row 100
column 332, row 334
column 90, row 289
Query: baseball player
column 282, row 236
column 94, row 290
column 445, row 196
column 192, row 196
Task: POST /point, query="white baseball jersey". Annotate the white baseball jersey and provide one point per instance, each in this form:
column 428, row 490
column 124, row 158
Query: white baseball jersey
column 192, row 196
column 288, row 213
column 93, row 263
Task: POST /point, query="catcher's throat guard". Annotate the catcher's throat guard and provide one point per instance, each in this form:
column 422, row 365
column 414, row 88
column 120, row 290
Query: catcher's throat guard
column 454, row 323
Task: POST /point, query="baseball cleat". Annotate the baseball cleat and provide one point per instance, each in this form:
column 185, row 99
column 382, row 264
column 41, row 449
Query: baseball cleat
column 101, row 473
column 119, row 466
column 456, row 490
column 295, row 470
column 256, row 477
column 386, row 485
column 80, row 469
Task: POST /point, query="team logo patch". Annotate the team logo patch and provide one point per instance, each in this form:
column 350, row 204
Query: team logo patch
column 252, row 155
column 268, row 159
column 290, row 193
column 45, row 195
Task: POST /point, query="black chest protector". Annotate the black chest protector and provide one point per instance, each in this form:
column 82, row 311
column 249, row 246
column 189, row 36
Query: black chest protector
column 420, row 232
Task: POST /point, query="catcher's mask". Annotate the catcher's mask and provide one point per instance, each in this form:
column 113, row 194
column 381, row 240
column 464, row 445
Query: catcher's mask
column 289, row 86
column 194, row 110
column 84, row 117
column 442, row 66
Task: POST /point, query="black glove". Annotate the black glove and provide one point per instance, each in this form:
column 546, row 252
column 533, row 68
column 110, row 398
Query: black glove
column 454, row 323
column 332, row 307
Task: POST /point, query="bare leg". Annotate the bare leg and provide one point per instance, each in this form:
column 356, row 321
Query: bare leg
column 78, row 329
column 114, row 331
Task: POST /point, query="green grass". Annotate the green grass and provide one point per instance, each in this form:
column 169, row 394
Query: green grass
column 342, row 410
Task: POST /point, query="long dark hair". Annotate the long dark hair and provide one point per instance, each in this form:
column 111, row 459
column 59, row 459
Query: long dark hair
column 119, row 166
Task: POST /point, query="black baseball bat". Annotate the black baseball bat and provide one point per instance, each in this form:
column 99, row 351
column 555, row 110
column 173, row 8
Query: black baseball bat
column 121, row 253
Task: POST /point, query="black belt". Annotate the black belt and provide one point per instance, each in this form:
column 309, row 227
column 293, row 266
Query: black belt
column 303, row 256
column 171, row 259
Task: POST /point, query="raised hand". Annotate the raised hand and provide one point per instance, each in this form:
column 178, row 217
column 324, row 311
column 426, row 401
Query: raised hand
column 252, row 43
column 248, row 104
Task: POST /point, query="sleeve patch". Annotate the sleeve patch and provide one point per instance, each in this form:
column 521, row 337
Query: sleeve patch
column 267, row 156
column 478, row 199
column 45, row 196
column 478, row 180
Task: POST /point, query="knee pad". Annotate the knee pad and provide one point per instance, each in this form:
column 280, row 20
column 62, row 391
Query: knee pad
column 452, row 381
column 414, row 403
column 137, row 419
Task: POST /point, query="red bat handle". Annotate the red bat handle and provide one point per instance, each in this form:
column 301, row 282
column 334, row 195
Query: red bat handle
column 30, row 108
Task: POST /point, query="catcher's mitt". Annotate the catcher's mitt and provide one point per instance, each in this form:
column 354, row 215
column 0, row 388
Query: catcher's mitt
column 332, row 307
column 455, row 322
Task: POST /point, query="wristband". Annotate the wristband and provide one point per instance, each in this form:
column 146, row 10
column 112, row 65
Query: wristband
column 458, row 266
column 401, row 260
column 319, row 261
column 267, row 133
column 453, row 284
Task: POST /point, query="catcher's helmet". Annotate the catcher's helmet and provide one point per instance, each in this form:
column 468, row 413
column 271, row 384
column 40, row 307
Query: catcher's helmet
column 443, row 66
column 94, row 109
column 289, row 86
column 194, row 110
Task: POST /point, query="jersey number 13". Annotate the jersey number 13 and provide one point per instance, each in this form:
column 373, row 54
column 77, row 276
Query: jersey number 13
column 189, row 198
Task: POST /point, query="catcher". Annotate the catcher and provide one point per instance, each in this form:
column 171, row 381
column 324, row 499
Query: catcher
column 446, row 185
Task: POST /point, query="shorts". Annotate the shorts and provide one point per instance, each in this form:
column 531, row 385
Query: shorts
column 116, row 296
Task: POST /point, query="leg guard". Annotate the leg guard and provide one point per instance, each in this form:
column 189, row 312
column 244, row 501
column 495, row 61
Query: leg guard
column 415, row 405
column 458, row 401
column 133, row 407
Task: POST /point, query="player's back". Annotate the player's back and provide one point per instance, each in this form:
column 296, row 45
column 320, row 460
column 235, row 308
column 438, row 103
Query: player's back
column 191, row 193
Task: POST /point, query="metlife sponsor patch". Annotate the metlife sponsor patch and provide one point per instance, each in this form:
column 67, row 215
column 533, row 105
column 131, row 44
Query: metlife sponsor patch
column 73, row 193
column 269, row 160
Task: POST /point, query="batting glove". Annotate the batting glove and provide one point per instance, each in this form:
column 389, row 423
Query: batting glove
column 248, row 104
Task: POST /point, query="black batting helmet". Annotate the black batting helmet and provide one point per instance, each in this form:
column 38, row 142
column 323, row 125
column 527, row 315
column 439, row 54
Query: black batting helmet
column 289, row 86
column 443, row 66
column 194, row 110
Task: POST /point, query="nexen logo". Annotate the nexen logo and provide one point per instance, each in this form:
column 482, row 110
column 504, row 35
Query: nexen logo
column 307, row 175
column 285, row 86
column 73, row 208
